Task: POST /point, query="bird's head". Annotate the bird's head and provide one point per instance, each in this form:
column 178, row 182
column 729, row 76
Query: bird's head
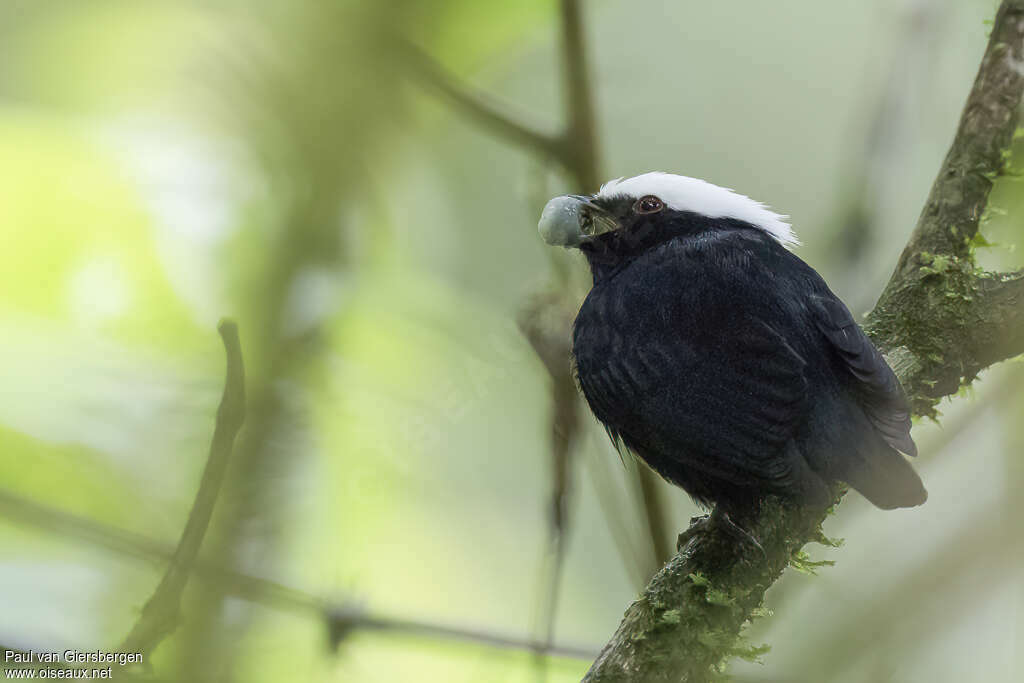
column 632, row 214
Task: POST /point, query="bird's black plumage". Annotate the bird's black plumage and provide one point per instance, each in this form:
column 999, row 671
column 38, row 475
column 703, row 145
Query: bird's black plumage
column 726, row 363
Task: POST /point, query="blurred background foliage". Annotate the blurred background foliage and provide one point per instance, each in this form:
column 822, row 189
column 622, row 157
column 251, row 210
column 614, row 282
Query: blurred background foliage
column 168, row 163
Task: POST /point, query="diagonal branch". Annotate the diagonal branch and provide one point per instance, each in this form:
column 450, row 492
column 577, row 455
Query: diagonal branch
column 941, row 321
column 160, row 614
column 947, row 319
column 478, row 106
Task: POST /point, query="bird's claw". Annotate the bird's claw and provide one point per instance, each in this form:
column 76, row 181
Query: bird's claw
column 698, row 525
column 720, row 520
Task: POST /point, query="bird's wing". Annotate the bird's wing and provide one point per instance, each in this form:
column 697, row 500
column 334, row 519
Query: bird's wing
column 727, row 411
column 874, row 383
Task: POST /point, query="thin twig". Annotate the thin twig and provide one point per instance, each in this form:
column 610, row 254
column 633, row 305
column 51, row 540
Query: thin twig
column 23, row 510
column 265, row 592
column 654, row 512
column 612, row 502
column 159, row 616
column 543, row 321
column 479, row 107
column 577, row 152
column 583, row 150
column 343, row 620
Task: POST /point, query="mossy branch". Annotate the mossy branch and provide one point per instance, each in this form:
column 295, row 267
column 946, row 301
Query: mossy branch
column 943, row 317
column 940, row 320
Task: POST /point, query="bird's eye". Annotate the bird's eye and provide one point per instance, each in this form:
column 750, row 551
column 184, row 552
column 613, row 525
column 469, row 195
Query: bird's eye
column 648, row 204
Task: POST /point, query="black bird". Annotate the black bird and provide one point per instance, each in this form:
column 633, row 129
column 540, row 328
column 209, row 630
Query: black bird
column 710, row 350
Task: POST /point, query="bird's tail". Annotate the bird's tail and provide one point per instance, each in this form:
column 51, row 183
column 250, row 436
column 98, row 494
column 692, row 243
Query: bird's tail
column 882, row 475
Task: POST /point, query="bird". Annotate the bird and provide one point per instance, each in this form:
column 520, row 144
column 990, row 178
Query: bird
column 713, row 352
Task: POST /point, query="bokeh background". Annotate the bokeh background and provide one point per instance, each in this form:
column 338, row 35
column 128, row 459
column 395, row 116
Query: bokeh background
column 291, row 166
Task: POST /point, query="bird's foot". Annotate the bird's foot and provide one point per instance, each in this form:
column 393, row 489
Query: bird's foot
column 718, row 519
column 698, row 526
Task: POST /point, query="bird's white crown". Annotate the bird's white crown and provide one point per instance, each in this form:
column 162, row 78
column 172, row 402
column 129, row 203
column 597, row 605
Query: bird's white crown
column 699, row 196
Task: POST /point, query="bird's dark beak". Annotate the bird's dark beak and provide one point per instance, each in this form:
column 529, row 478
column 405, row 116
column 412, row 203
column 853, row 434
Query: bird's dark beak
column 569, row 221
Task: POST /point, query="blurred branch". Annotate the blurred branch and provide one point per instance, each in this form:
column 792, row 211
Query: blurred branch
column 576, row 149
column 543, row 321
column 159, row 616
column 687, row 623
column 252, row 588
column 579, row 155
column 582, row 160
column 23, row 510
column 342, row 621
column 654, row 513
column 312, row 145
column 581, row 148
column 477, row 106
column 552, row 342
column 612, row 505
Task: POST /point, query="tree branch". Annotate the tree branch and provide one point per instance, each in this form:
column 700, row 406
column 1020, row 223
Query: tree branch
column 160, row 614
column 581, row 148
column 346, row 619
column 256, row 589
column 477, row 106
column 654, row 512
column 575, row 149
column 940, row 319
column 946, row 319
column 543, row 321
